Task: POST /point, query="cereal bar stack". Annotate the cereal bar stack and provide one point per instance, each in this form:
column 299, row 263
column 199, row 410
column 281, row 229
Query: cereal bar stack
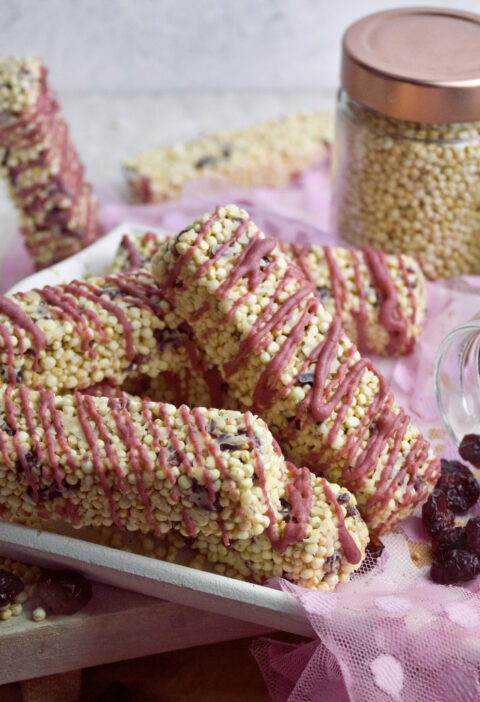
column 57, row 210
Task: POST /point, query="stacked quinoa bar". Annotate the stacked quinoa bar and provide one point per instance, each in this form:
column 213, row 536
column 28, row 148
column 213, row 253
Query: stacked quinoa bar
column 257, row 318
column 381, row 299
column 99, row 334
column 215, row 476
column 57, row 211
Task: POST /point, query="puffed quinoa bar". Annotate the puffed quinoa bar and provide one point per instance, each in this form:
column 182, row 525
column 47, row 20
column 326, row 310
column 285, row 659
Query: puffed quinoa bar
column 57, row 210
column 266, row 154
column 258, row 319
column 331, row 543
column 116, row 330
column 136, row 464
column 74, row 334
column 360, row 285
column 320, row 561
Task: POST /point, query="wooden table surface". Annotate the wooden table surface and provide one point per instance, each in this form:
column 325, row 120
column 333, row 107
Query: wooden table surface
column 222, row 672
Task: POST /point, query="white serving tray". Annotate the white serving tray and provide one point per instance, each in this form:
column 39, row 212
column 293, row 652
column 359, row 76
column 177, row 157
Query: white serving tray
column 176, row 583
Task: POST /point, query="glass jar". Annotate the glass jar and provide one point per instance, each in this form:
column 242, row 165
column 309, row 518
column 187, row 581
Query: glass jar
column 457, row 380
column 407, row 147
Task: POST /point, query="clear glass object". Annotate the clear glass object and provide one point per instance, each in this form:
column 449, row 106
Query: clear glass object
column 457, row 380
column 408, row 187
column 408, row 137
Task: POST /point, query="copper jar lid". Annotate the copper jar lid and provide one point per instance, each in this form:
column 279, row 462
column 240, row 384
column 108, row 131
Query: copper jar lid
column 416, row 63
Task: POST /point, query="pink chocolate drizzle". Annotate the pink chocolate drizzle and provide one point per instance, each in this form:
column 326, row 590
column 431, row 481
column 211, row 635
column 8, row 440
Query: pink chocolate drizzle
column 134, row 259
column 390, row 315
column 349, row 547
column 14, row 312
column 299, row 492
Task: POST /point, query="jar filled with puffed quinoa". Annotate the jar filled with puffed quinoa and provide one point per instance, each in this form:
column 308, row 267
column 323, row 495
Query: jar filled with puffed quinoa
column 407, row 147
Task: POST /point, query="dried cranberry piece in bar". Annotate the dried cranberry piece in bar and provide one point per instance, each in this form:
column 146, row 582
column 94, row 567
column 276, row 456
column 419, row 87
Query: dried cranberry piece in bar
column 65, row 591
column 459, row 484
column 469, row 449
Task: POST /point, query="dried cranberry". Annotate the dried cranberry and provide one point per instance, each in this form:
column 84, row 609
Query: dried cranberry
column 65, row 591
column 332, row 563
column 436, row 515
column 174, row 458
column 212, row 428
column 200, row 497
column 226, row 442
column 116, row 692
column 44, row 493
column 305, row 379
column 458, row 565
column 205, row 161
column 112, row 291
column 7, row 428
column 32, row 460
column 373, row 552
column 170, row 338
column 459, row 484
column 448, row 541
column 469, row 449
column 10, row 587
column 473, row 535
column 343, row 497
column 323, row 292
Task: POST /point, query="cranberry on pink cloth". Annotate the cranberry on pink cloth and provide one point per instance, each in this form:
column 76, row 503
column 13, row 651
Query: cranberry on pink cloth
column 390, row 634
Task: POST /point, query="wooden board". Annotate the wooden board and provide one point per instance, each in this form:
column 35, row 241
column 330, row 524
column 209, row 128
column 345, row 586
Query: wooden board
column 116, row 625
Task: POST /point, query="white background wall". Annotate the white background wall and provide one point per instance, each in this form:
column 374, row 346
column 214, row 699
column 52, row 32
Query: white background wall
column 126, row 46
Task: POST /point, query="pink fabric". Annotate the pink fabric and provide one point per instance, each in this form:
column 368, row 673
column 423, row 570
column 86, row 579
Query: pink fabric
column 390, row 634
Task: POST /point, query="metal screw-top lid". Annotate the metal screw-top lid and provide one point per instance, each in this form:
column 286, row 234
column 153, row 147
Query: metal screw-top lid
column 415, row 63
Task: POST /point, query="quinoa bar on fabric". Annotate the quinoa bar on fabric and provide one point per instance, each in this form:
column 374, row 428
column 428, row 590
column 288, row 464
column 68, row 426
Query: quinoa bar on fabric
column 57, row 210
column 381, row 299
column 266, row 154
column 258, row 319
column 116, row 329
column 210, row 474
column 137, row 464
